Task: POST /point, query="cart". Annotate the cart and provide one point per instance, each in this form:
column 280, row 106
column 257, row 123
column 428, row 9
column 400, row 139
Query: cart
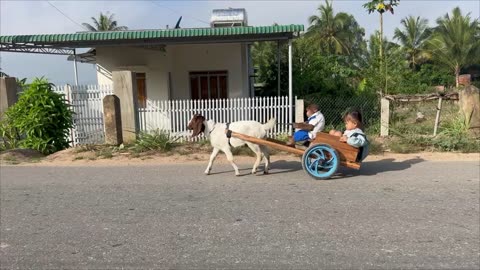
column 320, row 159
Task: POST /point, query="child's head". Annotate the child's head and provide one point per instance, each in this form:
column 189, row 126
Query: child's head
column 311, row 109
column 353, row 120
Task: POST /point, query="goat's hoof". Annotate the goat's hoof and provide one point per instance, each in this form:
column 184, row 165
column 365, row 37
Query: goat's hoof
column 207, row 172
column 265, row 172
column 237, row 174
column 254, row 172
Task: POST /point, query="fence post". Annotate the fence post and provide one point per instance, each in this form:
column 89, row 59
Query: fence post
column 125, row 88
column 68, row 96
column 299, row 110
column 384, row 117
column 437, row 118
column 112, row 120
column 8, row 93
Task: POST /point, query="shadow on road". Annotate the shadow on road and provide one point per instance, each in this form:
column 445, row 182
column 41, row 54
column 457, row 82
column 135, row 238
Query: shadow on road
column 368, row 168
column 276, row 167
column 380, row 166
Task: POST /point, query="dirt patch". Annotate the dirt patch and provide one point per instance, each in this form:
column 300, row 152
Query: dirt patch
column 16, row 156
column 199, row 154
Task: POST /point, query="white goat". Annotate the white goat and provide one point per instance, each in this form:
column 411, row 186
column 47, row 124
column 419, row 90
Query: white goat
column 219, row 140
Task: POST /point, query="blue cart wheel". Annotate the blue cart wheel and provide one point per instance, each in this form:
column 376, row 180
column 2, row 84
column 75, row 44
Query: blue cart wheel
column 320, row 161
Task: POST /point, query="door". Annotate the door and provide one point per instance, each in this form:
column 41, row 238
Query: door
column 141, row 89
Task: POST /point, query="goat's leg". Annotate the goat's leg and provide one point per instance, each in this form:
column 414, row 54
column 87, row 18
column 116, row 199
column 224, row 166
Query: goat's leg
column 229, row 155
column 266, row 157
column 212, row 157
column 256, row 149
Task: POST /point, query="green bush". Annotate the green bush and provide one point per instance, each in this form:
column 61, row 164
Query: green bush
column 40, row 120
column 156, row 140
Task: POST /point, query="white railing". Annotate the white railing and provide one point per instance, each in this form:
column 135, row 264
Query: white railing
column 172, row 116
column 87, row 103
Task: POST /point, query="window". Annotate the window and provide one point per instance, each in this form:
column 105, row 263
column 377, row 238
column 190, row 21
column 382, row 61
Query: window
column 208, row 84
column 141, row 89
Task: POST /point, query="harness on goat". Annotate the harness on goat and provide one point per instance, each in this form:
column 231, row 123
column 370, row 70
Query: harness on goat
column 229, row 134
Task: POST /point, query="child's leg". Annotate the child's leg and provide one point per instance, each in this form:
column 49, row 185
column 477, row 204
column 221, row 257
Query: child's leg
column 335, row 133
column 301, row 135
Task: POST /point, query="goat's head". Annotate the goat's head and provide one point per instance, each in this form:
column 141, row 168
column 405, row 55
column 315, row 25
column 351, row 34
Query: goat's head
column 196, row 124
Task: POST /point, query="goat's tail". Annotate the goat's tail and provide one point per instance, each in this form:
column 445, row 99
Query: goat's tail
column 270, row 124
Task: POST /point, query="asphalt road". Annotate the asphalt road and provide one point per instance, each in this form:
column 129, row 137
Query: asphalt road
column 412, row 214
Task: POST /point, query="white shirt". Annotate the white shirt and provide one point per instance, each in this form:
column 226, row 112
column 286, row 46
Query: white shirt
column 318, row 122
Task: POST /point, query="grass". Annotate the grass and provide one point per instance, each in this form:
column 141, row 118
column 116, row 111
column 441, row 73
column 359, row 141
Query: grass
column 11, row 160
column 409, row 135
column 156, row 140
column 105, row 153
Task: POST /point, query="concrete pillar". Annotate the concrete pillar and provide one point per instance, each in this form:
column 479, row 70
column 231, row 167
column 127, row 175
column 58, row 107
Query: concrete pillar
column 384, row 117
column 299, row 111
column 112, row 120
column 8, row 93
column 125, row 88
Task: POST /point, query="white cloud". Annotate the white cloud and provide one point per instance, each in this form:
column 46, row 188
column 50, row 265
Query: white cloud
column 38, row 17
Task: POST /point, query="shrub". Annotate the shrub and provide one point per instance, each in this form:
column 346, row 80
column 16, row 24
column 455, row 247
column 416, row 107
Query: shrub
column 156, row 140
column 454, row 137
column 40, row 120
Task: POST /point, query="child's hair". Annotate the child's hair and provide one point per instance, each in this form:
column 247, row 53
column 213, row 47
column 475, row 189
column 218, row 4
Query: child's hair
column 354, row 116
column 313, row 107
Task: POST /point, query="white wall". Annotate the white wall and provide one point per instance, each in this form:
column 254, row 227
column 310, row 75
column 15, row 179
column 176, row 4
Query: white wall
column 156, row 64
column 179, row 60
column 206, row 57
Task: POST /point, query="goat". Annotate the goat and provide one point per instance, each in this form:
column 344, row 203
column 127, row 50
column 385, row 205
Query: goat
column 219, row 140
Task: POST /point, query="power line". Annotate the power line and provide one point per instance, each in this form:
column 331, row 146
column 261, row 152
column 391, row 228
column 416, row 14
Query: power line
column 65, row 15
column 200, row 20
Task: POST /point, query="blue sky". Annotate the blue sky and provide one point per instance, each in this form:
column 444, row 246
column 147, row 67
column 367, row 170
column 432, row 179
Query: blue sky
column 39, row 17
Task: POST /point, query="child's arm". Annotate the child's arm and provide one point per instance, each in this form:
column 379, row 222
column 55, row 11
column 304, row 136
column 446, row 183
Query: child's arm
column 357, row 141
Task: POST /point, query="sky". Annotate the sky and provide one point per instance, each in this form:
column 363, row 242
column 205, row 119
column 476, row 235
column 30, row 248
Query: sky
column 45, row 17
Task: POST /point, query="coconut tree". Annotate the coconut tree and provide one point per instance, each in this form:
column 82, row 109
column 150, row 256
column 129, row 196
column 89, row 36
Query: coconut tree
column 105, row 22
column 336, row 33
column 413, row 38
column 455, row 41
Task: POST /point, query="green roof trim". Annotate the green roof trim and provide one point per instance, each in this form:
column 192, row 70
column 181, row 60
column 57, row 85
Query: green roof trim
column 154, row 34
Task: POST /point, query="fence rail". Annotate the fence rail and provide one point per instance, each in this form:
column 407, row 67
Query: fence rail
column 173, row 115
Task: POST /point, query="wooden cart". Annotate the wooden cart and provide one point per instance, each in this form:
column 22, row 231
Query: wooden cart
column 321, row 158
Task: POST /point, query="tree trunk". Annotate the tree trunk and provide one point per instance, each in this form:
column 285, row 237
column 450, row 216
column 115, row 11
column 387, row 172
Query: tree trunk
column 381, row 35
column 469, row 101
column 457, row 75
column 382, row 71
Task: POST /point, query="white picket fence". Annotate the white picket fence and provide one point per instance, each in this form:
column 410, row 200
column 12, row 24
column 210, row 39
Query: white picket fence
column 172, row 116
column 87, row 103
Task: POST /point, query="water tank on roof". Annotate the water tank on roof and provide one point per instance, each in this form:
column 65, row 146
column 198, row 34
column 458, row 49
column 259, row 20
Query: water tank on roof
column 228, row 17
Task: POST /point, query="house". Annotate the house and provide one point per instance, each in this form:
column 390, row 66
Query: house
column 171, row 64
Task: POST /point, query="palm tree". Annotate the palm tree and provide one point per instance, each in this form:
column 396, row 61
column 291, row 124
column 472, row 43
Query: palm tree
column 456, row 41
column 105, row 22
column 381, row 7
column 413, row 38
column 336, row 33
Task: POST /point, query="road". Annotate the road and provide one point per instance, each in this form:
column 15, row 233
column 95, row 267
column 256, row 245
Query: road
column 410, row 214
